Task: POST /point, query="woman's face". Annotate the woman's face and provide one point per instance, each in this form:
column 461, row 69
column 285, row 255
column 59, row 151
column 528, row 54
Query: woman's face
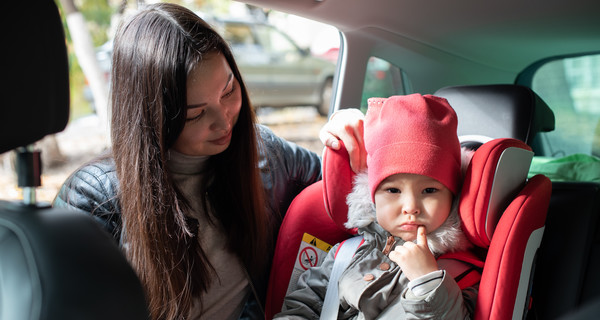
column 214, row 100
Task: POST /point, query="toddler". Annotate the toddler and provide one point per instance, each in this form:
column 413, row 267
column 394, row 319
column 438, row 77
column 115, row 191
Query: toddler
column 406, row 208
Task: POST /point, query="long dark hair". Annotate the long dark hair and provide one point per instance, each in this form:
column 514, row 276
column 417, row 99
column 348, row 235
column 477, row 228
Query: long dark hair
column 154, row 52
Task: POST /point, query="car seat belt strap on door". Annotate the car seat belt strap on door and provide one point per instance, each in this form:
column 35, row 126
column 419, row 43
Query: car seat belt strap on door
column 342, row 259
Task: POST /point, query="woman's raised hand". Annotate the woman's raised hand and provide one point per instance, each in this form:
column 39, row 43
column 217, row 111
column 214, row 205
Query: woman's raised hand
column 347, row 125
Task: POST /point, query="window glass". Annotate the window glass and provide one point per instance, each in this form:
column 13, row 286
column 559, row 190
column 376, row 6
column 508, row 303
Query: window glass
column 275, row 43
column 246, row 46
column 571, row 87
column 287, row 62
column 383, row 79
column 238, row 34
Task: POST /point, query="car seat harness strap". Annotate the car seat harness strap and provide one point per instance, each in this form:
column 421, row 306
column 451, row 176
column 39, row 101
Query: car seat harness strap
column 465, row 269
column 344, row 254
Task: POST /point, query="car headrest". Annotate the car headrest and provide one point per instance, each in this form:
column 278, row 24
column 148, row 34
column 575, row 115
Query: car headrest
column 35, row 94
column 498, row 111
column 337, row 183
column 497, row 171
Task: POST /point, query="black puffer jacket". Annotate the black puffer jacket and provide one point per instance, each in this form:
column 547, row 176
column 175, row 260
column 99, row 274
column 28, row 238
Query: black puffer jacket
column 286, row 169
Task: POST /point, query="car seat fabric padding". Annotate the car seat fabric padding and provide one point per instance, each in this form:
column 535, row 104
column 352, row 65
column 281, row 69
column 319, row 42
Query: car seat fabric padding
column 337, row 179
column 308, row 216
column 504, row 262
column 477, row 190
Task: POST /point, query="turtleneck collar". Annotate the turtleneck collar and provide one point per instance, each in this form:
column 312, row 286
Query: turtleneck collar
column 184, row 164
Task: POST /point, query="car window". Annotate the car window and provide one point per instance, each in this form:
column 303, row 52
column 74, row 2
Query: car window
column 383, row 79
column 239, row 35
column 276, row 44
column 571, row 87
column 244, row 43
column 288, row 64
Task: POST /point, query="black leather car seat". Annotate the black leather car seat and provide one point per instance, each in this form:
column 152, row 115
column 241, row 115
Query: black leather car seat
column 488, row 112
column 54, row 264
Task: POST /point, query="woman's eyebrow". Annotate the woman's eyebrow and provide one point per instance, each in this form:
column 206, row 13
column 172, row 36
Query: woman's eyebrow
column 229, row 79
column 193, row 106
column 200, row 105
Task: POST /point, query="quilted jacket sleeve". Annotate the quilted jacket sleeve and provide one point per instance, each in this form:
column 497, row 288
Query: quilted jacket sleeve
column 286, row 169
column 447, row 301
column 92, row 189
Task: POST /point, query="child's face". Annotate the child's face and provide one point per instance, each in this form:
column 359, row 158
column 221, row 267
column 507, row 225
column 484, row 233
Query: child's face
column 405, row 201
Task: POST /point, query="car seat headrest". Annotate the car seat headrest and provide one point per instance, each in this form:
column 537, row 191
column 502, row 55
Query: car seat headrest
column 498, row 111
column 497, row 171
column 337, row 184
column 36, row 95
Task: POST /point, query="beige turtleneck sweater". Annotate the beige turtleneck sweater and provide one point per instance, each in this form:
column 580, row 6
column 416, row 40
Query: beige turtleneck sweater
column 228, row 291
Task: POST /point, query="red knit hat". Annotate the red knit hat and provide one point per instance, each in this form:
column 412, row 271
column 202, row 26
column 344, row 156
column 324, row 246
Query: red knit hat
column 412, row 134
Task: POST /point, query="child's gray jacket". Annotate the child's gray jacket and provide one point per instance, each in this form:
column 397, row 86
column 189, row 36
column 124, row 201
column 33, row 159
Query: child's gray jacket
column 373, row 286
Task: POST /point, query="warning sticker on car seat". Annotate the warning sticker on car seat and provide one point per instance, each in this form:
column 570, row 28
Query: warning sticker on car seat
column 311, row 253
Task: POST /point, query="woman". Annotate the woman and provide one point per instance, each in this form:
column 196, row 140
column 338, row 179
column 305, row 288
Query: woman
column 194, row 190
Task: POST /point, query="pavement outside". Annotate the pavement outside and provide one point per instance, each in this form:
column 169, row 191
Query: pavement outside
column 85, row 138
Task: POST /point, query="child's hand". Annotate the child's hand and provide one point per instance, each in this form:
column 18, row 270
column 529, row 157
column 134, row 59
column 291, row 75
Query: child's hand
column 415, row 259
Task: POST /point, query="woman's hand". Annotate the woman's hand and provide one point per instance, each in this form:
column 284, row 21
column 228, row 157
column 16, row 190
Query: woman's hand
column 347, row 125
column 415, row 260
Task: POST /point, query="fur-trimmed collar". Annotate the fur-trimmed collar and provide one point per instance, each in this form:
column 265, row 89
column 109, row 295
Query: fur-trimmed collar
column 361, row 214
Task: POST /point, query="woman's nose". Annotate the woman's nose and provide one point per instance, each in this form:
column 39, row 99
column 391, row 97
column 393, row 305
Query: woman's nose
column 222, row 121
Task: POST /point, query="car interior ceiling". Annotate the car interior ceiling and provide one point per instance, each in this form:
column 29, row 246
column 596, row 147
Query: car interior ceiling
column 507, row 35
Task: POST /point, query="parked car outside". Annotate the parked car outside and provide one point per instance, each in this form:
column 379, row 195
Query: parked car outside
column 277, row 72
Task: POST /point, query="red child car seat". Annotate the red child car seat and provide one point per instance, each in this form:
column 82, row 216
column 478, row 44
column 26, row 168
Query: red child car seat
column 502, row 215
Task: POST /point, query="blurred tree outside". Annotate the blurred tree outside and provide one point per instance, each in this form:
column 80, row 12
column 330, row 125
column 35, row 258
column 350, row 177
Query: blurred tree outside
column 93, row 21
column 81, row 45
column 90, row 23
